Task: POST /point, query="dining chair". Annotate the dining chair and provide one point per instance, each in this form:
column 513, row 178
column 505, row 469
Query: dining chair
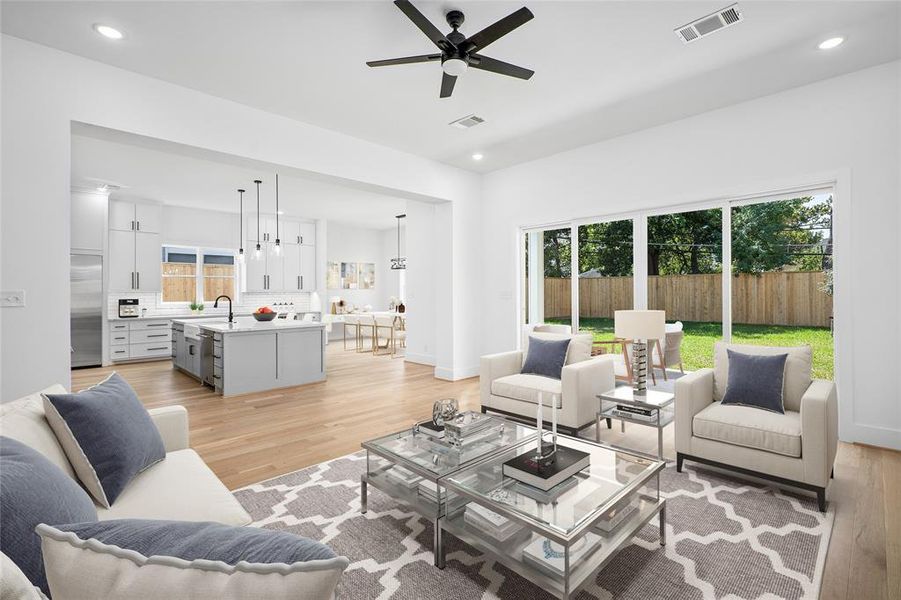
column 352, row 322
column 366, row 326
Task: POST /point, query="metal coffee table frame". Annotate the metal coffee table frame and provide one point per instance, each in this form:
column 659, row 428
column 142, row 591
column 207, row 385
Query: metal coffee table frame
column 433, row 511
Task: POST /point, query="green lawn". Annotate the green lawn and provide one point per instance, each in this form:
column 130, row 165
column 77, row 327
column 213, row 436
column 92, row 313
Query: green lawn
column 697, row 345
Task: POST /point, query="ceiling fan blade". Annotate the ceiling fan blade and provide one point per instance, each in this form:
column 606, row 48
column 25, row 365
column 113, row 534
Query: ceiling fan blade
column 447, row 85
column 494, row 32
column 485, row 63
column 425, row 25
column 404, row 61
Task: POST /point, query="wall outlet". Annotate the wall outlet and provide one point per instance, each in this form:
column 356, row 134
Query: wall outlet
column 12, row 298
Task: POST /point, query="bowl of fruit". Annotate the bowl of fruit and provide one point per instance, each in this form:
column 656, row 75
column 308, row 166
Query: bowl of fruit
column 264, row 313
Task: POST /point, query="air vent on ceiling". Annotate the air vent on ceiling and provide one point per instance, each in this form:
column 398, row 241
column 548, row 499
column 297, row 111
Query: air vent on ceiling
column 466, row 122
column 706, row 25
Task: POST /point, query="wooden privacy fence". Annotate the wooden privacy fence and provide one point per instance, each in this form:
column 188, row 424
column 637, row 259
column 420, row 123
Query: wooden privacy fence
column 773, row 298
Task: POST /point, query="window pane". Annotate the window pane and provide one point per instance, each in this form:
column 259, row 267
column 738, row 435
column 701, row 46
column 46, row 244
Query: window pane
column 179, row 281
column 605, row 276
column 557, row 263
column 782, row 276
column 218, row 279
column 685, row 263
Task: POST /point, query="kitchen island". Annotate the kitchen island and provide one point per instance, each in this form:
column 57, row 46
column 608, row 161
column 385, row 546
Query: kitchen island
column 249, row 355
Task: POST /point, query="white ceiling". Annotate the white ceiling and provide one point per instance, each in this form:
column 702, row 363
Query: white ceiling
column 602, row 68
column 174, row 177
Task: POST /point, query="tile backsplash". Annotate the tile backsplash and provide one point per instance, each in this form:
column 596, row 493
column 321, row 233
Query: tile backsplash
column 247, row 303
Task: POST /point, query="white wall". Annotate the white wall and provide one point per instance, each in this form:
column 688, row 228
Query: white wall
column 359, row 244
column 843, row 129
column 45, row 90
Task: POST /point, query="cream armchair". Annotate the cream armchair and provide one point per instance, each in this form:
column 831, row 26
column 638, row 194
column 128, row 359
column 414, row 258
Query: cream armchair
column 797, row 448
column 506, row 391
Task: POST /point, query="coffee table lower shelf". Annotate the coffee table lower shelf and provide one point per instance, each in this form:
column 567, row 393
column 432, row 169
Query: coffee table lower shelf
column 561, row 586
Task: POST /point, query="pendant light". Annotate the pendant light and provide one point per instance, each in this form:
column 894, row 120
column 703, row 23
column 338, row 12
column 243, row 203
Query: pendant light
column 258, row 253
column 399, row 263
column 278, row 242
column 241, row 226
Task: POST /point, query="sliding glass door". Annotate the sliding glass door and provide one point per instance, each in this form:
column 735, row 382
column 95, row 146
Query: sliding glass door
column 779, row 289
column 605, row 278
column 782, row 275
column 685, row 270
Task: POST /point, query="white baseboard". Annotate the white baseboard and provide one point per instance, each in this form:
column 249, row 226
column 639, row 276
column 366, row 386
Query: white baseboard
column 420, row 359
column 884, row 437
column 456, row 374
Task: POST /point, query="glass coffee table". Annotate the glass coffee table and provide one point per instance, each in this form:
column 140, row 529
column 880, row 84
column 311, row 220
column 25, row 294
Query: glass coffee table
column 411, row 468
column 558, row 544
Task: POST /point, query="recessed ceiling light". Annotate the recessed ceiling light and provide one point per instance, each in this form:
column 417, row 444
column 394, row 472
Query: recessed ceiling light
column 108, row 32
column 831, row 43
column 477, row 156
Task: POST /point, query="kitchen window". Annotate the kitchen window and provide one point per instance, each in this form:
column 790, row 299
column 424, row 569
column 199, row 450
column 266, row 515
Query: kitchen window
column 197, row 274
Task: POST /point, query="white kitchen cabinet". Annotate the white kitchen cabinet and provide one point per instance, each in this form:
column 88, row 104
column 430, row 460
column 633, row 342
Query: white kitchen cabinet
column 300, row 358
column 275, row 268
column 141, row 339
column 255, row 270
column 307, row 268
column 88, row 219
column 121, row 261
column 121, row 215
column 290, row 231
column 300, row 268
column 134, row 261
column 307, row 233
column 135, row 216
column 148, row 265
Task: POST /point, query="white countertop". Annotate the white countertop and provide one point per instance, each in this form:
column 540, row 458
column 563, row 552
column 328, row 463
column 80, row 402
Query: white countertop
column 192, row 316
column 248, row 325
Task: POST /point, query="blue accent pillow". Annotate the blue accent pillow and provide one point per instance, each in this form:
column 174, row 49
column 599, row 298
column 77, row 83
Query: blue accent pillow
column 546, row 357
column 107, row 434
column 33, row 490
column 189, row 540
column 756, row 381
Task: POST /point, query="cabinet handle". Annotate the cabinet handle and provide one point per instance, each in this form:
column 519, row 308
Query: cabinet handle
column 158, row 335
column 160, row 348
column 191, row 350
column 298, row 282
column 118, row 351
column 139, row 280
column 216, row 377
column 300, row 239
column 132, row 225
column 160, row 325
column 217, row 356
column 139, row 226
column 301, row 282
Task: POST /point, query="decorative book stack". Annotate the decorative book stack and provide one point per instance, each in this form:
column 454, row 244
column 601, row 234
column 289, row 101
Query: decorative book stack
column 430, row 429
column 634, row 412
column 403, row 477
column 495, row 527
column 543, row 473
column 550, row 556
column 429, row 491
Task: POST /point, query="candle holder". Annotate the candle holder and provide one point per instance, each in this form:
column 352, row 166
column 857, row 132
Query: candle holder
column 545, row 452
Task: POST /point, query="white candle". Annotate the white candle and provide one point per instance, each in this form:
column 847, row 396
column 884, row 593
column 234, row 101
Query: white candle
column 540, row 421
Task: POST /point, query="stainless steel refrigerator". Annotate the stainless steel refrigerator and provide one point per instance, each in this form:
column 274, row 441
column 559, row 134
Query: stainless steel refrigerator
column 86, row 312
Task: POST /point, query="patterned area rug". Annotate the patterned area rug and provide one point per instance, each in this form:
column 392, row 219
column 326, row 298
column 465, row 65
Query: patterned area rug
column 725, row 538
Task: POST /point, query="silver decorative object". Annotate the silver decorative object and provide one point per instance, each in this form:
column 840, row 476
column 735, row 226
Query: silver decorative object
column 444, row 410
column 640, row 368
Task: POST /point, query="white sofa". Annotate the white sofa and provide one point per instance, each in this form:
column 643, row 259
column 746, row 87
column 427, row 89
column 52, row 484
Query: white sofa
column 506, row 391
column 796, row 448
column 179, row 488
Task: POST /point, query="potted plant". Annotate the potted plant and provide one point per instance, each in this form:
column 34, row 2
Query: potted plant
column 196, row 307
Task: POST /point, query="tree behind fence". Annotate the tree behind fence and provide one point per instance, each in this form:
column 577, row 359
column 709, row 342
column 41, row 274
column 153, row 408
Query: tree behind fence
column 772, row 298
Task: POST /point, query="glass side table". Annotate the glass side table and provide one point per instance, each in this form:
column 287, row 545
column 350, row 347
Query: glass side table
column 656, row 409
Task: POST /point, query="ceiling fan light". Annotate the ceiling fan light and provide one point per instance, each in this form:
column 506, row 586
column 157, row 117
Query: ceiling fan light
column 454, row 66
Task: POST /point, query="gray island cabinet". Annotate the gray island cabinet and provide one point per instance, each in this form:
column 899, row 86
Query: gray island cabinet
column 249, row 356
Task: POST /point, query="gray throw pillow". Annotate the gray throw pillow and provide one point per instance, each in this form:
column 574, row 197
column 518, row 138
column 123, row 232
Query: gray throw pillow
column 163, row 560
column 756, row 381
column 191, row 540
column 32, row 491
column 546, row 357
column 107, row 434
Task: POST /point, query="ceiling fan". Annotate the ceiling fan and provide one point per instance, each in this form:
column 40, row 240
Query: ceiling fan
column 459, row 52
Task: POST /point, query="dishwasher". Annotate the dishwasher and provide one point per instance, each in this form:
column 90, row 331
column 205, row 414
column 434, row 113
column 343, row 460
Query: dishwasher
column 206, row 359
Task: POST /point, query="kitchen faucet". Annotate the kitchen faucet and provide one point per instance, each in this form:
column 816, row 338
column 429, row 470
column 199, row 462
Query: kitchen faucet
column 231, row 316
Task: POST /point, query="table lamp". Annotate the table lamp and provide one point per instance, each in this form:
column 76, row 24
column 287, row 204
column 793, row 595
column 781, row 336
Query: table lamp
column 640, row 326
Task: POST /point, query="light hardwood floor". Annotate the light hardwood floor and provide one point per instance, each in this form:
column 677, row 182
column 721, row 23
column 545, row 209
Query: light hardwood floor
column 249, row 438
